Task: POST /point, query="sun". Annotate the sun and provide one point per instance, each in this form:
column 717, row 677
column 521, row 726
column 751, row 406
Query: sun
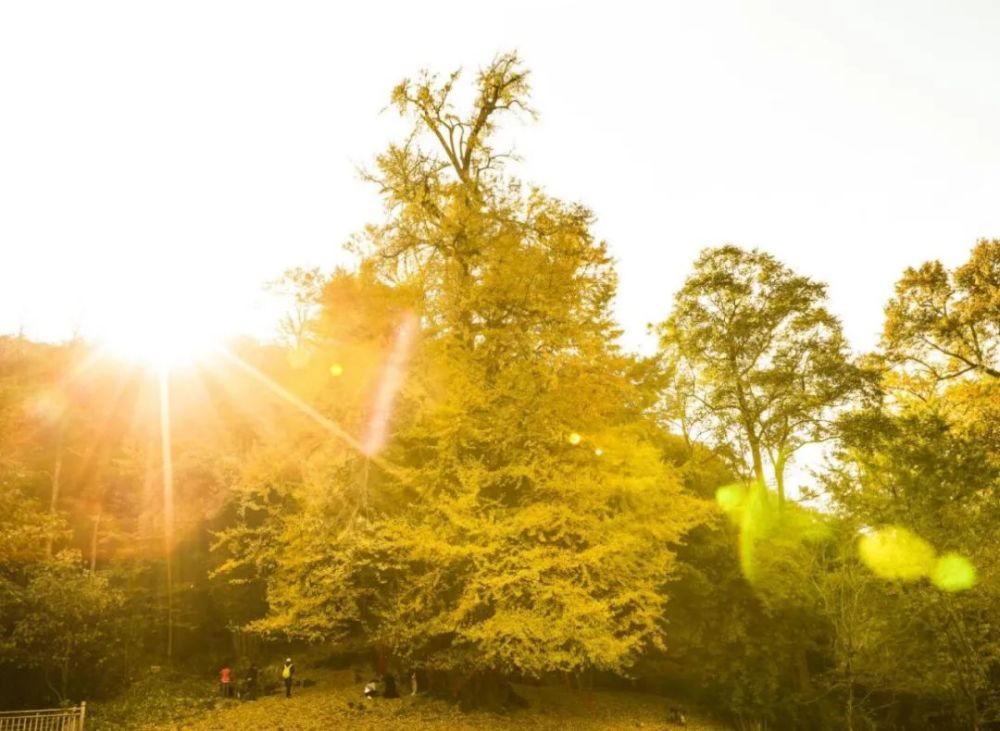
column 162, row 347
column 161, row 332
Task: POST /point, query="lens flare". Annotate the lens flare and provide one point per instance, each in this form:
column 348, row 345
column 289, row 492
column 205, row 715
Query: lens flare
column 168, row 499
column 731, row 498
column 331, row 426
column 574, row 438
column 293, row 400
column 166, row 454
column 770, row 534
column 392, row 381
column 953, row 572
column 895, row 553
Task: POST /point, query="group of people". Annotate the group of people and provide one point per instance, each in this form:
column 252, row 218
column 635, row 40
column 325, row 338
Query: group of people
column 382, row 687
column 248, row 687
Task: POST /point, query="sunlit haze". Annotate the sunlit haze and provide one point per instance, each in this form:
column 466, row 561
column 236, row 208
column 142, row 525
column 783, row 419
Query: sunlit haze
column 193, row 151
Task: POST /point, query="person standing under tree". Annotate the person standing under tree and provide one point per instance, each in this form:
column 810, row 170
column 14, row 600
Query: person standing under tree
column 252, row 681
column 225, row 682
column 389, row 686
column 286, row 675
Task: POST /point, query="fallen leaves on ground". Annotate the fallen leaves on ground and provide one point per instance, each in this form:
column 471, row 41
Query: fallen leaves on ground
column 337, row 702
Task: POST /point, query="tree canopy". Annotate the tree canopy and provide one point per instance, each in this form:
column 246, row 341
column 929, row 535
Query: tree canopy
column 758, row 363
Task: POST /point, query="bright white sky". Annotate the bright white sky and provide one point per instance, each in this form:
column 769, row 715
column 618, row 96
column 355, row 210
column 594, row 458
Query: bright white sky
column 195, row 150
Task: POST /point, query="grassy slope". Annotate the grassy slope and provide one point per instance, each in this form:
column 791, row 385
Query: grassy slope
column 325, row 706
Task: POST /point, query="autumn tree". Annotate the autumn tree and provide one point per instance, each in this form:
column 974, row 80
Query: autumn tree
column 529, row 455
column 758, row 364
column 947, row 323
column 520, row 517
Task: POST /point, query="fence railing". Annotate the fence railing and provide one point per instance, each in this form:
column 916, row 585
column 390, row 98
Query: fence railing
column 49, row 719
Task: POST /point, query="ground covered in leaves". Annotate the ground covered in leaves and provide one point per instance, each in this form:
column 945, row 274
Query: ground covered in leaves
column 335, row 701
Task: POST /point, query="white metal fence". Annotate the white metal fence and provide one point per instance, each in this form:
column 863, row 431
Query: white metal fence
column 50, row 719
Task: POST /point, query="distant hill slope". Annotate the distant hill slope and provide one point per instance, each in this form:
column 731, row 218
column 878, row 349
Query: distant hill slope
column 336, row 702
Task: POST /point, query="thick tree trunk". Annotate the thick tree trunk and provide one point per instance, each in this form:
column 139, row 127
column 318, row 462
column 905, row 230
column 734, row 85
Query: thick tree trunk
column 484, row 689
column 585, row 682
column 751, row 434
column 779, row 475
column 758, row 461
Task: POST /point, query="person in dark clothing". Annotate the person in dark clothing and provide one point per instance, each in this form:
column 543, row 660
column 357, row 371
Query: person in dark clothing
column 251, row 681
column 389, row 686
column 287, row 672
